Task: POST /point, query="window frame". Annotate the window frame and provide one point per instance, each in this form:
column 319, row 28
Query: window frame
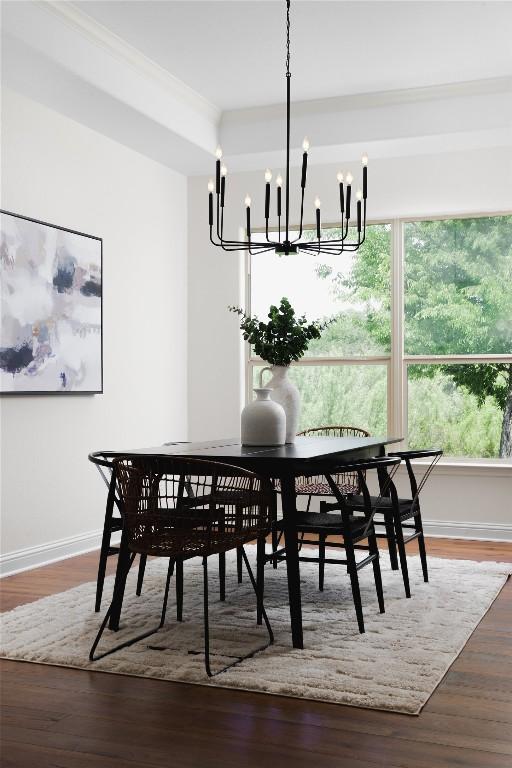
column 396, row 360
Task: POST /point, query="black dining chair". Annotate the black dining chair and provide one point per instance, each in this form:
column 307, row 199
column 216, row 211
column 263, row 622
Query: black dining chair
column 400, row 514
column 227, row 508
column 355, row 524
column 112, row 524
column 316, row 485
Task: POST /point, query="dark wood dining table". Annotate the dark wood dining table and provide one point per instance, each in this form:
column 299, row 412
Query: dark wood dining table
column 304, row 457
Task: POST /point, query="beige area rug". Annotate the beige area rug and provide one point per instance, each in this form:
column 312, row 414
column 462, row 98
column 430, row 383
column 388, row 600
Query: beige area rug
column 395, row 666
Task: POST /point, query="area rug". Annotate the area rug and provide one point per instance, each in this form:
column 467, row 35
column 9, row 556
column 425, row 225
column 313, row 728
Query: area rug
column 396, row 665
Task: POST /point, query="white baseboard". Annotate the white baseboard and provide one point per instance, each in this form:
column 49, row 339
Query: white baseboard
column 44, row 554
column 452, row 529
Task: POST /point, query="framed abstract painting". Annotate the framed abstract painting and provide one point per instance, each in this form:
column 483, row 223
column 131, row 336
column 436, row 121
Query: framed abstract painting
column 51, row 331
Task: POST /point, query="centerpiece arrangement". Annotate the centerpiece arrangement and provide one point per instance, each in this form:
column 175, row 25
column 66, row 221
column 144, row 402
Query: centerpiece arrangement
column 280, row 341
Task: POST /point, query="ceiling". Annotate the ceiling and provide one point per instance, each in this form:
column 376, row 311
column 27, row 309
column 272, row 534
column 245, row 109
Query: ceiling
column 232, row 53
column 174, row 79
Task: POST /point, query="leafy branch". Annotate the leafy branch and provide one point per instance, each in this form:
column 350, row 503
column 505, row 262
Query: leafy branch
column 284, row 338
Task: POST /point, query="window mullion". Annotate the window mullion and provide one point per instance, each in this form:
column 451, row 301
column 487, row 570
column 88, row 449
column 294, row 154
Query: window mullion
column 396, row 417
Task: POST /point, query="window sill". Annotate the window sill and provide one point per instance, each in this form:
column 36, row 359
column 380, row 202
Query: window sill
column 454, row 465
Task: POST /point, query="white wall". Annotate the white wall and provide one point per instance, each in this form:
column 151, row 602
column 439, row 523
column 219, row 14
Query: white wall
column 57, row 170
column 444, row 183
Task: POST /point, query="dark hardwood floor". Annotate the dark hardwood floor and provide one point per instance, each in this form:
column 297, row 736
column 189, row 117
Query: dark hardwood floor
column 67, row 718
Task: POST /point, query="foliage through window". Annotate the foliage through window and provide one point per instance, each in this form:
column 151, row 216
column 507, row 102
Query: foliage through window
column 457, row 332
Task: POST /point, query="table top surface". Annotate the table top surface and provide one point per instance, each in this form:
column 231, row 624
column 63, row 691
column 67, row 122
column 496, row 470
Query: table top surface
column 304, row 449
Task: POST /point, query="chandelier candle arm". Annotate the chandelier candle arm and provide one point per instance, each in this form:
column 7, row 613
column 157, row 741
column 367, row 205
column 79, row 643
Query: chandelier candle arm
column 334, row 246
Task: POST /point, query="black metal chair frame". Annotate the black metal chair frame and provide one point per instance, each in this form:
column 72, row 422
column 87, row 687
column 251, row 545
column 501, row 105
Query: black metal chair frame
column 257, row 585
column 351, row 537
column 399, row 511
column 113, row 524
column 331, row 430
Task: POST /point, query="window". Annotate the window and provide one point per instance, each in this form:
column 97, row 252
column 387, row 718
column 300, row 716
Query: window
column 443, row 376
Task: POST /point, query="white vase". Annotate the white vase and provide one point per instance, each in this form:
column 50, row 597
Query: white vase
column 286, row 394
column 263, row 422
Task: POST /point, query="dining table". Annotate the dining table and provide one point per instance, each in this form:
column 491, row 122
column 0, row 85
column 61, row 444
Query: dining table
column 308, row 455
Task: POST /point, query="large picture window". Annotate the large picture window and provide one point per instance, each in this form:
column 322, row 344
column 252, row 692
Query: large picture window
column 421, row 345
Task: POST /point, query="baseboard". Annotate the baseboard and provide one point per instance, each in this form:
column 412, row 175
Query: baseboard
column 452, row 529
column 44, row 554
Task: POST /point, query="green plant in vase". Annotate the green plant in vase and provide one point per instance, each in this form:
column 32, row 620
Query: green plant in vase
column 280, row 341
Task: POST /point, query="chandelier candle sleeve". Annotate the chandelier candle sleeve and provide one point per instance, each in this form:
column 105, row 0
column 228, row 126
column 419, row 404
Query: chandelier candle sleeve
column 285, row 245
column 304, row 169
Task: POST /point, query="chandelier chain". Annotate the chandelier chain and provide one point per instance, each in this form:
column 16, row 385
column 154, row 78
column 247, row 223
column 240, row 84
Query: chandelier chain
column 332, row 246
column 287, row 38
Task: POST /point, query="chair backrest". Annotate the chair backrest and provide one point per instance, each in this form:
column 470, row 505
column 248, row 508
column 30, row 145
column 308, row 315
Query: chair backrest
column 335, row 431
column 383, row 464
column 346, row 479
column 179, row 507
column 409, row 456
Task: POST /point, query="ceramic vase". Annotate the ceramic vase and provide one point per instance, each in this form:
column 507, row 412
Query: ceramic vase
column 263, row 422
column 286, row 394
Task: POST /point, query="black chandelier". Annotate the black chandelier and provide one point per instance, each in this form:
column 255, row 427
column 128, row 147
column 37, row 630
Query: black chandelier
column 286, row 246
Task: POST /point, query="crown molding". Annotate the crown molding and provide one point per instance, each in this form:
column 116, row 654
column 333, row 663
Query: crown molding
column 336, row 104
column 99, row 35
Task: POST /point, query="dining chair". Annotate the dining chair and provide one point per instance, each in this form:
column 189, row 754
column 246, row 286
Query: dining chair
column 316, row 485
column 229, row 507
column 399, row 513
column 112, row 524
column 355, row 524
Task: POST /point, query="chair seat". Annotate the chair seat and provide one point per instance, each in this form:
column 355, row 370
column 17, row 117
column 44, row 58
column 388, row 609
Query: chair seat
column 325, row 521
column 318, row 486
column 174, row 544
column 383, row 505
column 313, row 487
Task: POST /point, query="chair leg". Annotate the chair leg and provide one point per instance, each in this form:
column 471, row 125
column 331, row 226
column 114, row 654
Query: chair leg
column 274, row 533
column 374, row 550
column 260, row 577
column 418, row 524
column 136, row 639
column 222, row 576
column 321, row 564
column 105, row 542
column 354, row 581
column 179, row 590
column 102, row 565
column 399, row 532
column 239, row 564
column 140, row 576
column 207, row 623
column 170, row 571
column 205, row 619
column 390, row 535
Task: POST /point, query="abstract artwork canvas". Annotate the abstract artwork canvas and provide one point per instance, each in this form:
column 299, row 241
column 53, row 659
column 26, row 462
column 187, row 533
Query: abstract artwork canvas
column 51, row 308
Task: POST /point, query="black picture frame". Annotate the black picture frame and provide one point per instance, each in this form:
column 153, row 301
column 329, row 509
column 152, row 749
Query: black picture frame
column 35, row 393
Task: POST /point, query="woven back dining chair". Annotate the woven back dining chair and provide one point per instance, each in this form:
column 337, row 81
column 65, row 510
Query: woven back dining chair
column 316, row 485
column 183, row 508
column 354, row 525
column 112, row 524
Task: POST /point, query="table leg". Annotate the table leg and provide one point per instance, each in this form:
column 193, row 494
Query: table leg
column 121, row 573
column 292, row 557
